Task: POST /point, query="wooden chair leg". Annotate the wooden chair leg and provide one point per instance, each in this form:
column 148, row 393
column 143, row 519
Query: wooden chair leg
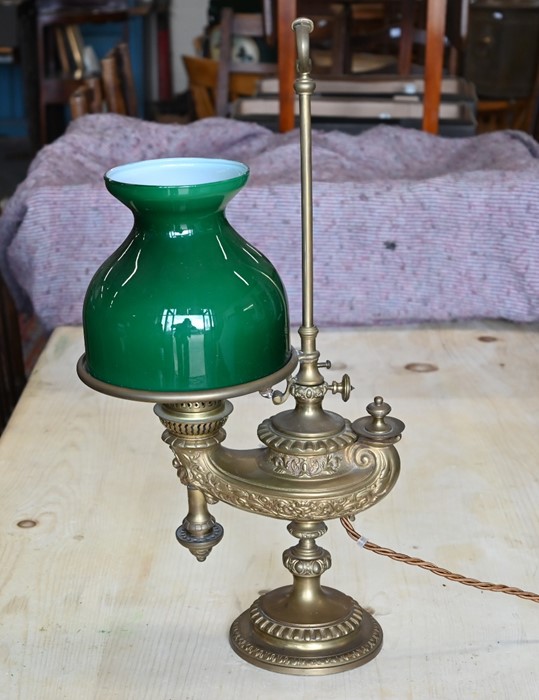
column 406, row 39
column 341, row 54
column 202, row 74
column 286, row 47
column 434, row 56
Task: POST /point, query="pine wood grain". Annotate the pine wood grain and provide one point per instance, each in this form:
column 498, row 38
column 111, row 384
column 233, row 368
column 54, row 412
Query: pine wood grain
column 97, row 601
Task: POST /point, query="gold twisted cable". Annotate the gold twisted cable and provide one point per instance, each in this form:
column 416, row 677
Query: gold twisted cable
column 434, row 569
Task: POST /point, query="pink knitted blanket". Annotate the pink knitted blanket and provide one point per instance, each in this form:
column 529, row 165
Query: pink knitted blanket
column 408, row 226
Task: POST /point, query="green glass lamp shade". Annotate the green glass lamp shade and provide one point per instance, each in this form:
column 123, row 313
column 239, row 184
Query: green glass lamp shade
column 185, row 304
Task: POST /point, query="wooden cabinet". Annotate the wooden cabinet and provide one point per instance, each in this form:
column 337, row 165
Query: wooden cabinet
column 503, row 48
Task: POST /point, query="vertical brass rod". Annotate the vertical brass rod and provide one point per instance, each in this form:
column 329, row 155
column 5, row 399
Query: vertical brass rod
column 307, row 211
column 304, row 87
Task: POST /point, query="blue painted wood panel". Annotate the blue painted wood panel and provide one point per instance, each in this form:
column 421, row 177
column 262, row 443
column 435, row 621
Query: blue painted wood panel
column 12, row 109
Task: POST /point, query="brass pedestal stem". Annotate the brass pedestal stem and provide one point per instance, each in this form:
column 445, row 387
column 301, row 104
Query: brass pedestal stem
column 306, row 628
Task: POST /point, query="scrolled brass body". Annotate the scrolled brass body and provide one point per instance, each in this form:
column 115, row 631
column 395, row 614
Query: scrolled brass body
column 301, row 477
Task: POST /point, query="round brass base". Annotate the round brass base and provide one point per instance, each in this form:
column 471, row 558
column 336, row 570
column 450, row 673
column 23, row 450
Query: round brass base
column 334, row 646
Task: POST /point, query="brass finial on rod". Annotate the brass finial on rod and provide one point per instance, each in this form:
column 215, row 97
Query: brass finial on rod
column 303, row 26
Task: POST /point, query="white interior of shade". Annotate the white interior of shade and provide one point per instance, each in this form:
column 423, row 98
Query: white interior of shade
column 176, row 172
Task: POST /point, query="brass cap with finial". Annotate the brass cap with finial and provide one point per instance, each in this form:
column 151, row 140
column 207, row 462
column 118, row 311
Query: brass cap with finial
column 378, row 426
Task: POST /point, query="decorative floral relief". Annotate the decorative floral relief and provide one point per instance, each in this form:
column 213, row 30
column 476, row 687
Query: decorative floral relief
column 296, row 465
column 299, row 391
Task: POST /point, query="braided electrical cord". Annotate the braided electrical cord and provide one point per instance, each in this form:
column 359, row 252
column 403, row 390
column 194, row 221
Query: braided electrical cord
column 414, row 561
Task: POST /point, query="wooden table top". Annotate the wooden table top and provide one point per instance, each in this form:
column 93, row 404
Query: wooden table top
column 98, row 601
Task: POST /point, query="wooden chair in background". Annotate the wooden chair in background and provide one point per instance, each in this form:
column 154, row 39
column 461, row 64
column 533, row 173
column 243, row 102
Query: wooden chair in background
column 361, row 34
column 521, row 114
column 214, row 83
column 203, row 77
column 202, row 74
column 210, row 98
column 434, row 52
column 495, row 115
column 234, row 24
column 274, row 23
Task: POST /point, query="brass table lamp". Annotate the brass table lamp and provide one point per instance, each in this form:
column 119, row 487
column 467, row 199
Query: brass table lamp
column 208, row 323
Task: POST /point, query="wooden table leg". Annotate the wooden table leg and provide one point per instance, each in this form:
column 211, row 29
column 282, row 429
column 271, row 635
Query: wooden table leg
column 406, row 40
column 434, row 55
column 286, row 14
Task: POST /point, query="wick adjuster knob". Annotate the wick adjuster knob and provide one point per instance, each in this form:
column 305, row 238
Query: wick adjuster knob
column 378, row 425
column 344, row 387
